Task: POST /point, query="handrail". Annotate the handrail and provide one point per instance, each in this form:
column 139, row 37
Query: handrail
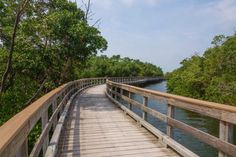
column 14, row 133
column 224, row 113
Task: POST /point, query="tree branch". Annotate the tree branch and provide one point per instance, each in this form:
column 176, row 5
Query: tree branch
column 97, row 22
column 87, row 7
column 36, row 93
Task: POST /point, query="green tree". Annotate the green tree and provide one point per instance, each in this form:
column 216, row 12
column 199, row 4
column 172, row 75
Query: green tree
column 210, row 77
column 52, row 40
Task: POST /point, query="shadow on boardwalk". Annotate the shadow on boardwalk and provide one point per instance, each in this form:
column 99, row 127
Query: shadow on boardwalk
column 97, row 128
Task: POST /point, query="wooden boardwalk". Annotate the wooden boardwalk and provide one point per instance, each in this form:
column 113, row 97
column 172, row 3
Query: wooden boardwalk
column 91, row 125
column 97, row 128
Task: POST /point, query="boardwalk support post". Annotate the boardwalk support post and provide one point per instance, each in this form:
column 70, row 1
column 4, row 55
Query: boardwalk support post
column 170, row 114
column 145, row 103
column 54, row 107
column 130, row 105
column 44, row 121
column 116, row 93
column 225, row 134
column 23, row 151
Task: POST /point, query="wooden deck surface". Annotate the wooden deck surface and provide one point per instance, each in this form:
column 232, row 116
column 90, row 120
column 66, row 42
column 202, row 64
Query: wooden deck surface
column 97, row 128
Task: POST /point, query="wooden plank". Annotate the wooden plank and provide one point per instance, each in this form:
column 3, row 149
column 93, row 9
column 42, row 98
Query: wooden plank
column 108, row 144
column 105, row 134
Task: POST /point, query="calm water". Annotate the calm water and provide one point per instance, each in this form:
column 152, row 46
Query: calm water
column 203, row 123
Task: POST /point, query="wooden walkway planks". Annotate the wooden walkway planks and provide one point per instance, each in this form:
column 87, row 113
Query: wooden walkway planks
column 97, row 128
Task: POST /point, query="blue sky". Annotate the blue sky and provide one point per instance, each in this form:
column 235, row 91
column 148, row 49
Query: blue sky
column 163, row 32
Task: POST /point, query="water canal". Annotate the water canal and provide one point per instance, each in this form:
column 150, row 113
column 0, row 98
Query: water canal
column 201, row 122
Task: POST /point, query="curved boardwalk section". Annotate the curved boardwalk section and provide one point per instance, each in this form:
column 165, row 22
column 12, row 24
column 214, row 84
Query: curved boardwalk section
column 97, row 128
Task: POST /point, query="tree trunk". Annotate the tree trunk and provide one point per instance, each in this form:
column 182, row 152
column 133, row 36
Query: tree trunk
column 9, row 61
column 36, row 93
column 66, row 69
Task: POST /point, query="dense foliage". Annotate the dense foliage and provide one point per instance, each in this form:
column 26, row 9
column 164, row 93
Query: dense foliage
column 42, row 44
column 209, row 77
column 46, row 43
column 115, row 66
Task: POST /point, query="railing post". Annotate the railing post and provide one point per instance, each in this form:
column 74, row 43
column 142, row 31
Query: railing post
column 225, row 134
column 116, row 93
column 44, row 121
column 107, row 89
column 121, row 92
column 113, row 89
column 82, row 84
column 23, row 151
column 145, row 103
column 54, row 107
column 170, row 114
column 130, row 105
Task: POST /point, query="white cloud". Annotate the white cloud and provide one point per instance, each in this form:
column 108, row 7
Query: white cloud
column 129, row 3
column 227, row 9
column 152, row 2
column 223, row 10
column 106, row 4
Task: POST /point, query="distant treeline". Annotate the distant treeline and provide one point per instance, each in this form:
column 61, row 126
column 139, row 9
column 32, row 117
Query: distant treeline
column 209, row 77
column 115, row 66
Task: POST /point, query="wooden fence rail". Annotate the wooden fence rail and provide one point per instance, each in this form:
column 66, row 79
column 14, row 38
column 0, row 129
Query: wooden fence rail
column 224, row 113
column 15, row 132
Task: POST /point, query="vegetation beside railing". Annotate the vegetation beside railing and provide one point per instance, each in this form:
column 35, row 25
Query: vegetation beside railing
column 225, row 114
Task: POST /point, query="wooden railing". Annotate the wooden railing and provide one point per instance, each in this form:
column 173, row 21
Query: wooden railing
column 224, row 113
column 50, row 111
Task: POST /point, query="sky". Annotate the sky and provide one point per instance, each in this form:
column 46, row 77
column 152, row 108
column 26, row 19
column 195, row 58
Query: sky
column 163, row 32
